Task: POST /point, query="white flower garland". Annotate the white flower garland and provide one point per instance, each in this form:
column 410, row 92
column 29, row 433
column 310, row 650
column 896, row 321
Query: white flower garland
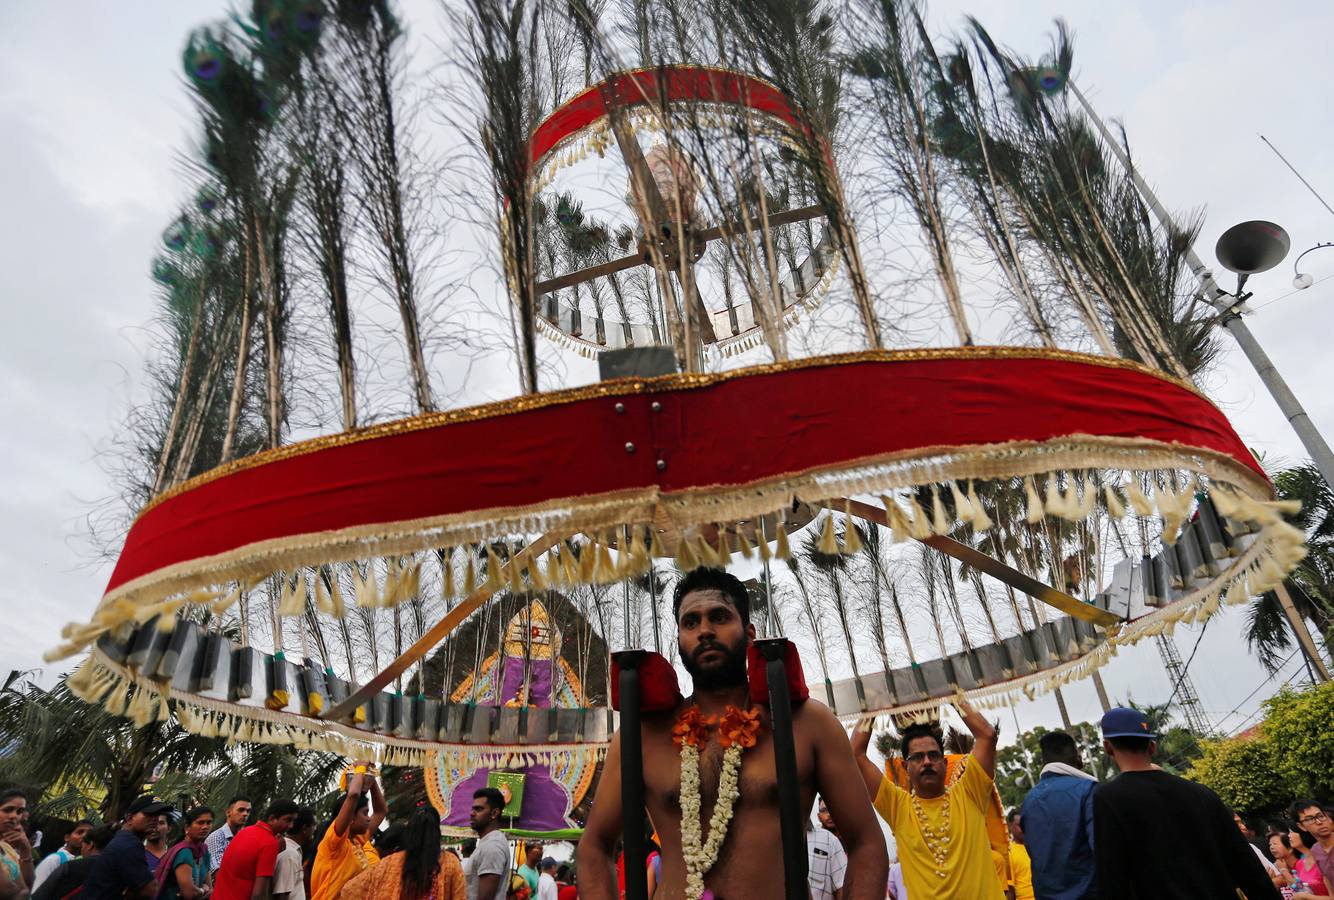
column 701, row 855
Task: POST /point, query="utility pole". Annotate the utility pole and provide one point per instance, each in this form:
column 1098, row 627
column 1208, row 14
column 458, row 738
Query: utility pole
column 1101, row 688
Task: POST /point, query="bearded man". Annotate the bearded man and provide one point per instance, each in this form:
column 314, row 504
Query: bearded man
column 712, row 612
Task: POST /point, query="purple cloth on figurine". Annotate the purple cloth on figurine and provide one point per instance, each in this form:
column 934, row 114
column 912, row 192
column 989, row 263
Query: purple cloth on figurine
column 545, row 802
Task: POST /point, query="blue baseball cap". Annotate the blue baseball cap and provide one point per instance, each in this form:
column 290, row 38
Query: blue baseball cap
column 1121, row 721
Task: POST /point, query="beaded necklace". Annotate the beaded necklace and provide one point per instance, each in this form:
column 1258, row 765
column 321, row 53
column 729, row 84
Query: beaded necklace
column 936, row 837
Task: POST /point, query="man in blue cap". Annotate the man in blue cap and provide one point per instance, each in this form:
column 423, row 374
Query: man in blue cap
column 1160, row 836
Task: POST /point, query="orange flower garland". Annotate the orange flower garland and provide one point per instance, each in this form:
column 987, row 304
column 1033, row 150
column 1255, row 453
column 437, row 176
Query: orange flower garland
column 738, row 731
column 692, row 727
column 741, row 727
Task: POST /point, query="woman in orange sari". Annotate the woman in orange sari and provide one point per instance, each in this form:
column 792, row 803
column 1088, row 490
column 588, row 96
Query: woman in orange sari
column 420, row 871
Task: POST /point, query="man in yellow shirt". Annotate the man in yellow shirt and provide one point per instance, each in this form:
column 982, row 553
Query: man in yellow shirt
column 1021, row 867
column 941, row 831
column 346, row 850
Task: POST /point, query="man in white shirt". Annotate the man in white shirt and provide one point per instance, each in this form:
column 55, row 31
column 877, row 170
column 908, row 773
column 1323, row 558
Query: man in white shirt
column 71, row 850
column 826, row 865
column 546, row 881
column 238, row 814
column 289, row 873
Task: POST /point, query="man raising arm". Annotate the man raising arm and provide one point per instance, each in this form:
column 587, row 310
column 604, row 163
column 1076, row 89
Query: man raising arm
column 941, row 831
column 346, row 850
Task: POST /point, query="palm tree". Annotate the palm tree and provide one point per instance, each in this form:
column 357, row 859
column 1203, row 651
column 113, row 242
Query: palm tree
column 1311, row 584
column 80, row 759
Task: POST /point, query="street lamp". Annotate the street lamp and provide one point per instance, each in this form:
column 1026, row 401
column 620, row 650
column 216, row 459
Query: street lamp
column 1248, row 245
column 1301, row 280
column 1246, row 249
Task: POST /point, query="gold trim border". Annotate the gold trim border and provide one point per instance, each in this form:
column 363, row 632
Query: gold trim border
column 624, row 387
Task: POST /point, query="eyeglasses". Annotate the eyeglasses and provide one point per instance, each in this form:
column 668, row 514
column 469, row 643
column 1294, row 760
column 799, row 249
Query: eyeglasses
column 1312, row 819
column 934, row 756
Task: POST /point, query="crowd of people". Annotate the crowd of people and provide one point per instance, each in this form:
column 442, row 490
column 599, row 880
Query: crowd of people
column 278, row 857
column 1143, row 834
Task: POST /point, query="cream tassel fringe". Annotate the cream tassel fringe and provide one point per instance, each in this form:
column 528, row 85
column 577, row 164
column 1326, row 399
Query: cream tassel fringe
column 1036, row 513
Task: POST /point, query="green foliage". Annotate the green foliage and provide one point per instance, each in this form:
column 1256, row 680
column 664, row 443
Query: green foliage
column 1244, row 773
column 78, row 759
column 1267, row 630
column 1292, row 755
column 1299, row 725
column 1019, row 765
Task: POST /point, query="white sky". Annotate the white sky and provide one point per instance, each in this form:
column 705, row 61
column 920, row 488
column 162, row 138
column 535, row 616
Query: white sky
column 93, row 113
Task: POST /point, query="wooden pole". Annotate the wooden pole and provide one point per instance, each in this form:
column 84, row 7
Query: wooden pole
column 991, row 566
column 1302, row 632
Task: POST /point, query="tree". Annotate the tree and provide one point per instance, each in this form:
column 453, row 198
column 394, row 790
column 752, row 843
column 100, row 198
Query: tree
column 79, row 759
column 1268, row 632
column 1245, row 773
column 1289, row 755
column 1300, row 727
column 1019, row 765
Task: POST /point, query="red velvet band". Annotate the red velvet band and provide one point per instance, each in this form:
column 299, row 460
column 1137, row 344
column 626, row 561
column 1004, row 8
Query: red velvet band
column 747, row 428
column 659, row 690
column 757, row 673
column 670, row 83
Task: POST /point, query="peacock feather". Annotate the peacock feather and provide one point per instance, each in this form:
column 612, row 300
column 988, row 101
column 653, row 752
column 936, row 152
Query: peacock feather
column 206, row 58
column 206, row 243
column 207, row 200
column 178, row 234
column 165, row 273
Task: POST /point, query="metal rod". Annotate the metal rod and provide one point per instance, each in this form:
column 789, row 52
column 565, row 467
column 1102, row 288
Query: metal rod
column 712, row 233
column 625, row 585
column 632, row 777
column 769, row 628
column 785, row 767
column 427, row 642
column 1294, row 171
column 1307, row 433
column 653, row 604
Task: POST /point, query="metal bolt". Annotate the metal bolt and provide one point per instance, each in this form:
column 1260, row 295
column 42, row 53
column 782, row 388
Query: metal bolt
column 662, row 464
column 620, row 408
column 629, row 447
column 656, row 406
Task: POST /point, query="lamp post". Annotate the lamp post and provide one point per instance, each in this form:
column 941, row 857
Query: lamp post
column 1300, row 280
column 1229, row 307
column 1246, row 249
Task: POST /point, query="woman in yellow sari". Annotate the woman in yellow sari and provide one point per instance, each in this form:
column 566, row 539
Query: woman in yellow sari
column 420, row 871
